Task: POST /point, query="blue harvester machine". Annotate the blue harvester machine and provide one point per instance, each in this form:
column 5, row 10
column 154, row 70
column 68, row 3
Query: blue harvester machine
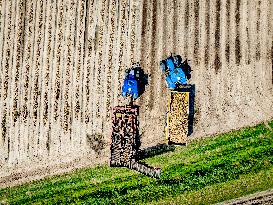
column 132, row 82
column 125, row 130
column 177, row 74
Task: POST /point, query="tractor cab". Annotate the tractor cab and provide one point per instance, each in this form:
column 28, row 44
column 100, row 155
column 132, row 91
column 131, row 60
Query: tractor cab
column 132, row 82
column 176, row 72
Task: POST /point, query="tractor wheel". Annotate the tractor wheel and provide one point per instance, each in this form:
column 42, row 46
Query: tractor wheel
column 163, row 66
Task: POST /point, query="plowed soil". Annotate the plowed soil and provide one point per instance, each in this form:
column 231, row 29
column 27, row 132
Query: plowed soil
column 62, row 64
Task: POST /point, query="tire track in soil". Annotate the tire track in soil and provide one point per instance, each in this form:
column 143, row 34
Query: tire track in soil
column 94, row 64
column 133, row 32
column 26, row 75
column 169, row 27
column 90, row 63
column 191, row 37
column 7, row 62
column 196, row 32
column 186, row 31
column 160, row 51
column 2, row 39
column 211, row 77
column 158, row 75
column 120, row 44
column 145, row 42
column 29, row 100
column 207, row 25
column 264, row 41
column 206, row 108
column 253, row 49
column 12, row 132
column 40, row 127
column 244, row 32
column 2, row 27
column 270, row 33
column 5, row 26
column 21, row 126
column 248, row 56
column 227, row 47
column 217, row 61
column 258, row 27
column 99, row 66
column 238, row 53
column 122, row 51
column 58, row 78
column 70, row 28
column 37, row 69
column 53, row 127
column 222, row 74
column 144, row 23
column 153, row 63
column 84, row 78
column 107, row 53
column 16, row 79
column 66, row 62
column 45, row 100
column 79, row 110
column 115, row 55
column 231, row 88
column 163, row 87
column 112, row 31
column 175, row 25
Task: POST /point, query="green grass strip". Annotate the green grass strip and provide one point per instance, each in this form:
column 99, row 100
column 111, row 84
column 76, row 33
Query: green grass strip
column 211, row 162
column 245, row 185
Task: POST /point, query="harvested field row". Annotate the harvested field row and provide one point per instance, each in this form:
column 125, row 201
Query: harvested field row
column 62, row 64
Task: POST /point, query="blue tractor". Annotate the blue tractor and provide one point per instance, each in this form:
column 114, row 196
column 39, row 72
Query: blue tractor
column 176, row 72
column 133, row 82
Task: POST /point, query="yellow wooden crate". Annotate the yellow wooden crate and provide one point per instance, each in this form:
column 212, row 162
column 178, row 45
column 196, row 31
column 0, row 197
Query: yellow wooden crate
column 177, row 118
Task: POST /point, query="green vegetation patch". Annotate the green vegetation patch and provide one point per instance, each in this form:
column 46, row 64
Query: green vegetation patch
column 233, row 163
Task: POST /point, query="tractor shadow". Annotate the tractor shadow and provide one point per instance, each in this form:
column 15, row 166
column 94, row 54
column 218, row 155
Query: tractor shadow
column 191, row 109
column 191, row 89
column 143, row 80
column 154, row 150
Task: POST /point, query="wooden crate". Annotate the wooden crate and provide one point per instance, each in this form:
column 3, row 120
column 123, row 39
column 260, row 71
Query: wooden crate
column 177, row 117
column 125, row 142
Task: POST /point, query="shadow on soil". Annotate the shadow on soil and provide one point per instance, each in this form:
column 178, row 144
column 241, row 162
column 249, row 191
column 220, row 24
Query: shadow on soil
column 154, row 150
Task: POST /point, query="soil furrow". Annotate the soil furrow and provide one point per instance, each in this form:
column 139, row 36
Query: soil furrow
column 62, row 69
column 153, row 66
column 238, row 36
column 258, row 28
column 17, row 62
column 9, row 49
column 46, row 111
column 227, row 47
column 217, row 61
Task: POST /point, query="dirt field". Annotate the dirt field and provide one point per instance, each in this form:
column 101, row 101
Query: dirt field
column 264, row 197
column 62, row 63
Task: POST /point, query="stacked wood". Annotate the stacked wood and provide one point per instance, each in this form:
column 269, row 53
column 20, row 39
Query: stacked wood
column 124, row 144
